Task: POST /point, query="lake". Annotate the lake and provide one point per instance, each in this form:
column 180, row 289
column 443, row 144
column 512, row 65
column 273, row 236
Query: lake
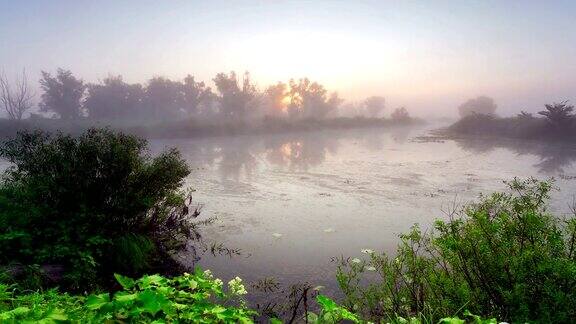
column 292, row 202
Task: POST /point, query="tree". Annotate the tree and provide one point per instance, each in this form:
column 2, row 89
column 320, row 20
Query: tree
column 559, row 114
column 481, row 105
column 113, row 98
column 196, row 96
column 275, row 99
column 164, row 98
column 400, row 114
column 234, row 98
column 62, row 94
column 311, row 100
column 18, row 100
column 374, row 106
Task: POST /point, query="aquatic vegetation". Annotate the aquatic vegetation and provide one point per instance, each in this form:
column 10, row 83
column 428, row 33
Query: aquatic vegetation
column 505, row 256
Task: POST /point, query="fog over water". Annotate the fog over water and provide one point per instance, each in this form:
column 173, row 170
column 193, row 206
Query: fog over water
column 291, row 202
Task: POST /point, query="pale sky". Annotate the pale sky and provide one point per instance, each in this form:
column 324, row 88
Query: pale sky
column 427, row 55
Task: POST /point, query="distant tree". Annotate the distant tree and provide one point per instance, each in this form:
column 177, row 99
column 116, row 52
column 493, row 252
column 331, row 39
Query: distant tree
column 559, row 114
column 351, row 109
column 525, row 115
column 234, row 98
column 113, row 98
column 62, row 94
column 374, row 106
column 400, row 114
column 275, row 99
column 196, row 96
column 311, row 100
column 15, row 101
column 163, row 98
column 482, row 105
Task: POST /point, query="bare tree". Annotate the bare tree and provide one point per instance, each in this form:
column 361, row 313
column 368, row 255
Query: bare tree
column 18, row 100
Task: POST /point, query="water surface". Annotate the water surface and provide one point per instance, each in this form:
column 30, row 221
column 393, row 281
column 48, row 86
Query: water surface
column 291, row 202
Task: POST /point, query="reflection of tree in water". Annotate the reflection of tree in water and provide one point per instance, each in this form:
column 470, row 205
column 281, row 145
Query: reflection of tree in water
column 373, row 141
column 234, row 158
column 477, row 145
column 237, row 160
column 554, row 157
column 302, row 151
column 400, row 134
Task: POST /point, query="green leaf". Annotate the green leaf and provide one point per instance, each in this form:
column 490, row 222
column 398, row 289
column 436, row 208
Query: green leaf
column 452, row 320
column 151, row 301
column 326, row 303
column 125, row 282
column 123, row 298
column 94, row 302
column 148, row 281
column 18, row 311
column 56, row 315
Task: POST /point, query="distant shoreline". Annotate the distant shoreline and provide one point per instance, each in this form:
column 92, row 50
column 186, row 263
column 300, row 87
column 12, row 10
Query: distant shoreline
column 192, row 128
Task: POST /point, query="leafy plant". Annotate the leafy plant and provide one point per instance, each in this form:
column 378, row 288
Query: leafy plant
column 505, row 257
column 330, row 312
column 190, row 298
column 82, row 208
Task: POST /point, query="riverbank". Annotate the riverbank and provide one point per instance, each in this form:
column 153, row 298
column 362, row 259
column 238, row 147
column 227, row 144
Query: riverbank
column 192, row 128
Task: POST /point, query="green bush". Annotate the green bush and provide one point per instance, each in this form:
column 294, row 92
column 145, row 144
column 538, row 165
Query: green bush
column 505, row 256
column 82, row 208
column 190, row 298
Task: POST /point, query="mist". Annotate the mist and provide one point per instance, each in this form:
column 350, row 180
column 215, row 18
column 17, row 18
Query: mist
column 288, row 161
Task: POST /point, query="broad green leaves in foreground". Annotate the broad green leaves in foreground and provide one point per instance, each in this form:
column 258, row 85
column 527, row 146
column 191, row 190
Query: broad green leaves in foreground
column 191, row 298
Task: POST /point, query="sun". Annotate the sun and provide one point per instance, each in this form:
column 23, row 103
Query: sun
column 286, row 101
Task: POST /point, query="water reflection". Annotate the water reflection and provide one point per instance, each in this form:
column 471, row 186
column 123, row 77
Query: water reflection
column 554, row 157
column 237, row 159
column 300, row 152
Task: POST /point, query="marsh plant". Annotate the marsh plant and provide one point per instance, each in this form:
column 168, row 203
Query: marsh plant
column 505, row 257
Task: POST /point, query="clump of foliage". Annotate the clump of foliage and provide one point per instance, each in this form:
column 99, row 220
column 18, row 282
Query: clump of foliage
column 330, row 312
column 557, row 123
column 559, row 114
column 190, row 298
column 505, row 257
column 197, row 298
column 77, row 209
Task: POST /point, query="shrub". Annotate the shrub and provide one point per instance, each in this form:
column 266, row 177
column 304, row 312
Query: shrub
column 82, row 208
column 557, row 124
column 505, row 256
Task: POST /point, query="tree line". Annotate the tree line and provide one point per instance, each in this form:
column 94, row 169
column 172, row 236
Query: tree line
column 233, row 97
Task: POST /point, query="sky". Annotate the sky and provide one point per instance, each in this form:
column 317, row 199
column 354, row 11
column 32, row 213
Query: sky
column 429, row 56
